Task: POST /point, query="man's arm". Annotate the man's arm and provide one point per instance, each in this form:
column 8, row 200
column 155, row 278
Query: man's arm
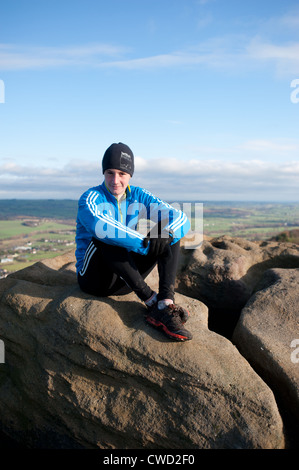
column 166, row 218
column 99, row 220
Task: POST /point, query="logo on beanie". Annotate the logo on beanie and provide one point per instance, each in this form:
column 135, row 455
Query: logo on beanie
column 125, row 161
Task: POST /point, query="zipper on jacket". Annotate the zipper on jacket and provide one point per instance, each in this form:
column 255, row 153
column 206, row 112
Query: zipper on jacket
column 118, row 202
column 119, row 210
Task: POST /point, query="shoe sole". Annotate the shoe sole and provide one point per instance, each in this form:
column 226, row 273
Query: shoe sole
column 160, row 326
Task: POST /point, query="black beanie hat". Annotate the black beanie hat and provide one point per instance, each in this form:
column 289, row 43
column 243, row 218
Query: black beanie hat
column 118, row 157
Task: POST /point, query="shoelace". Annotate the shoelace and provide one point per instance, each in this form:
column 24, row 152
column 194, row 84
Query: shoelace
column 174, row 315
column 175, row 309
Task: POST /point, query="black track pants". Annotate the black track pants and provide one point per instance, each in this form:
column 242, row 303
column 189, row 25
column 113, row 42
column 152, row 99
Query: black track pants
column 112, row 270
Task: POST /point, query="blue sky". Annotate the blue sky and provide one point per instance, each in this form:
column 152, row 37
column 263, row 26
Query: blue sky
column 199, row 89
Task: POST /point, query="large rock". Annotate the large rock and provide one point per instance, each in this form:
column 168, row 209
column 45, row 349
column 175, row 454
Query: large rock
column 267, row 334
column 86, row 372
column 224, row 272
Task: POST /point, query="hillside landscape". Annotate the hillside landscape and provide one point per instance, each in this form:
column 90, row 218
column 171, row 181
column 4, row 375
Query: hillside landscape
column 241, row 367
column 31, row 230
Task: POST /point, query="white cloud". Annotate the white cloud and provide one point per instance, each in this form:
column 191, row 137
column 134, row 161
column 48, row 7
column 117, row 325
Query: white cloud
column 258, row 149
column 14, row 57
column 284, row 56
column 270, row 147
column 171, row 179
column 290, row 21
column 216, row 179
column 230, row 52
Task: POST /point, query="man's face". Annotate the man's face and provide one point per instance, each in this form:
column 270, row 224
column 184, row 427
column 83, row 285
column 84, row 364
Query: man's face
column 116, row 181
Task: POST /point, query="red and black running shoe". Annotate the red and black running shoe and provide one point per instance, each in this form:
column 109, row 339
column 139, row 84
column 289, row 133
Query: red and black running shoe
column 183, row 313
column 169, row 321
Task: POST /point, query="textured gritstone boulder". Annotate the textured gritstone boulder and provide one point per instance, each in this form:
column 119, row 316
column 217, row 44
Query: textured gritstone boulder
column 225, row 272
column 88, row 372
column 268, row 336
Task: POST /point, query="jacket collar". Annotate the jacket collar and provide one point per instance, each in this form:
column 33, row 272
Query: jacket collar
column 127, row 194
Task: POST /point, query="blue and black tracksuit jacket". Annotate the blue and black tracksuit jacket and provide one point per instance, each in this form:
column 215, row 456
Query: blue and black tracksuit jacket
column 102, row 216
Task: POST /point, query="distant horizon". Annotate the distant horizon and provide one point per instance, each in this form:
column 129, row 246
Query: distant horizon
column 230, row 201
column 204, row 92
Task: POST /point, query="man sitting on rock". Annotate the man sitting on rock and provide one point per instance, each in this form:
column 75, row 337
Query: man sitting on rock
column 113, row 258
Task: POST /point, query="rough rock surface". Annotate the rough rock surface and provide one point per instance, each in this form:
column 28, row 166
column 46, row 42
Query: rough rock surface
column 225, row 271
column 267, row 334
column 86, row 372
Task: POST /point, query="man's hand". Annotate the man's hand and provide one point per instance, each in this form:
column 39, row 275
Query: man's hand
column 157, row 240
